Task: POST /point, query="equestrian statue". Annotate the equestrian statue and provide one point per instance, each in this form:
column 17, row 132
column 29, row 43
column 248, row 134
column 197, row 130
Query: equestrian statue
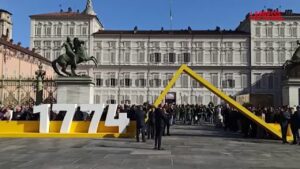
column 74, row 55
column 292, row 67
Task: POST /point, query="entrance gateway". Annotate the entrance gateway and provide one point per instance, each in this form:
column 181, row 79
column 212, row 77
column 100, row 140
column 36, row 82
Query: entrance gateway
column 171, row 98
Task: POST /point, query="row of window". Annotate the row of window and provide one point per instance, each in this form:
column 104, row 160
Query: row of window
column 156, row 58
column 186, row 57
column 269, row 56
column 271, row 44
column 262, row 81
column 278, row 31
column 140, row 99
column 157, row 44
column 50, row 44
column 228, row 81
column 59, row 30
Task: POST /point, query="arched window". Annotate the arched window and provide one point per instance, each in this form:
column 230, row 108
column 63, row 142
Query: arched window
column 7, row 32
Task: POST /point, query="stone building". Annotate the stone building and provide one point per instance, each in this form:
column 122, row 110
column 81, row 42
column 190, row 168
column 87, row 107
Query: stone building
column 5, row 24
column 135, row 65
column 17, row 71
column 273, row 40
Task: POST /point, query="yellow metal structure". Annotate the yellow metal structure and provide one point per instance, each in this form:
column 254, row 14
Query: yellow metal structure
column 185, row 69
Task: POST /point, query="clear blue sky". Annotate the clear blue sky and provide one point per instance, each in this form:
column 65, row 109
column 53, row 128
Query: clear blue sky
column 146, row 14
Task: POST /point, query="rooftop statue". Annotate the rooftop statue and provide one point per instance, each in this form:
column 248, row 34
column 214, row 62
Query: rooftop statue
column 74, row 55
column 292, row 67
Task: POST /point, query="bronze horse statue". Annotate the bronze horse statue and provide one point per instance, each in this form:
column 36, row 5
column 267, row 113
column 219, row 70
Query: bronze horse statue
column 73, row 56
column 292, row 67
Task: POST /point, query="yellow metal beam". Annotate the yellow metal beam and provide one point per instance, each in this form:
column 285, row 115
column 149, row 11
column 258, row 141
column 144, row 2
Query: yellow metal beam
column 216, row 91
column 169, row 86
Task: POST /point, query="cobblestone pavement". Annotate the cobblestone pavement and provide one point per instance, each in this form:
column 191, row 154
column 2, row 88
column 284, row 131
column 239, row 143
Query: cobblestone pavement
column 188, row 147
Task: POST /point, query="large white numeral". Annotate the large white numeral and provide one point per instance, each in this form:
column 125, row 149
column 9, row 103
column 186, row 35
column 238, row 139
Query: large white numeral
column 44, row 117
column 98, row 111
column 122, row 122
column 70, row 111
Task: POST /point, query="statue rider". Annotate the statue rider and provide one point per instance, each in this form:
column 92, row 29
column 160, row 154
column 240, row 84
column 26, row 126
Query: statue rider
column 70, row 51
column 296, row 58
column 75, row 54
column 77, row 44
column 292, row 66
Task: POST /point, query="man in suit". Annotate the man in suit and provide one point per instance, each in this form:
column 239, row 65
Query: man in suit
column 150, row 123
column 78, row 116
column 285, row 118
column 295, row 121
column 225, row 114
column 167, row 124
column 160, row 120
column 140, row 123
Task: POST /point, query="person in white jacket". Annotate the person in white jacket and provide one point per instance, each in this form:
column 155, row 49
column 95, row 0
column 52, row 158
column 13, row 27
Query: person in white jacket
column 8, row 114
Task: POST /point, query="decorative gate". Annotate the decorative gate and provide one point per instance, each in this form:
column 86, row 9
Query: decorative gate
column 15, row 91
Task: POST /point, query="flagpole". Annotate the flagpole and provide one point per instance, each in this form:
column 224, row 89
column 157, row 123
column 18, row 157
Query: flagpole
column 171, row 15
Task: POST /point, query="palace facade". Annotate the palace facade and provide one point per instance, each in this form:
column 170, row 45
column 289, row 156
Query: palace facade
column 135, row 65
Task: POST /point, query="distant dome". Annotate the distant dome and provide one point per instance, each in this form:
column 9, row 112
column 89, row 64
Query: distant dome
column 2, row 10
column 89, row 10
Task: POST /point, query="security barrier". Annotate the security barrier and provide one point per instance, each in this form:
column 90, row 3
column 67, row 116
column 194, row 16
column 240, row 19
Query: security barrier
column 271, row 128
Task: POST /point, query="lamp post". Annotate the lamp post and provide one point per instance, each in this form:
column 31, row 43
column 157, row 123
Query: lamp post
column 40, row 75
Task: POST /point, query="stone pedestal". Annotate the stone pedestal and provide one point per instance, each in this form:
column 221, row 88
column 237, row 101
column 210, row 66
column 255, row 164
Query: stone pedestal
column 290, row 92
column 75, row 90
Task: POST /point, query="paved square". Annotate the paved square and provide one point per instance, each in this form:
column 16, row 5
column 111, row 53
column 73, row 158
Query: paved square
column 188, row 147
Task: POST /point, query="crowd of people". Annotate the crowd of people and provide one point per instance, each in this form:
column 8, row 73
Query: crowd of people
column 221, row 116
column 154, row 123
column 17, row 113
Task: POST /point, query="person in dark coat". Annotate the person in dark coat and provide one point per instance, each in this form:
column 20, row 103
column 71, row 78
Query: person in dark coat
column 295, row 119
column 78, row 116
column 151, row 124
column 225, row 114
column 131, row 113
column 285, row 118
column 18, row 113
column 168, row 114
column 160, row 119
column 140, row 123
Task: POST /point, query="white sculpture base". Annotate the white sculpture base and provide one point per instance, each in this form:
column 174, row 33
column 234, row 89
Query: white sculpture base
column 290, row 92
column 75, row 90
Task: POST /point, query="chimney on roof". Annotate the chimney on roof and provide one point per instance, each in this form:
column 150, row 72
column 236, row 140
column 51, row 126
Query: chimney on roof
column 61, row 10
column 89, row 10
column 288, row 12
column 190, row 29
column 162, row 29
column 135, row 29
column 69, row 9
column 19, row 44
column 218, row 29
column 11, row 40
